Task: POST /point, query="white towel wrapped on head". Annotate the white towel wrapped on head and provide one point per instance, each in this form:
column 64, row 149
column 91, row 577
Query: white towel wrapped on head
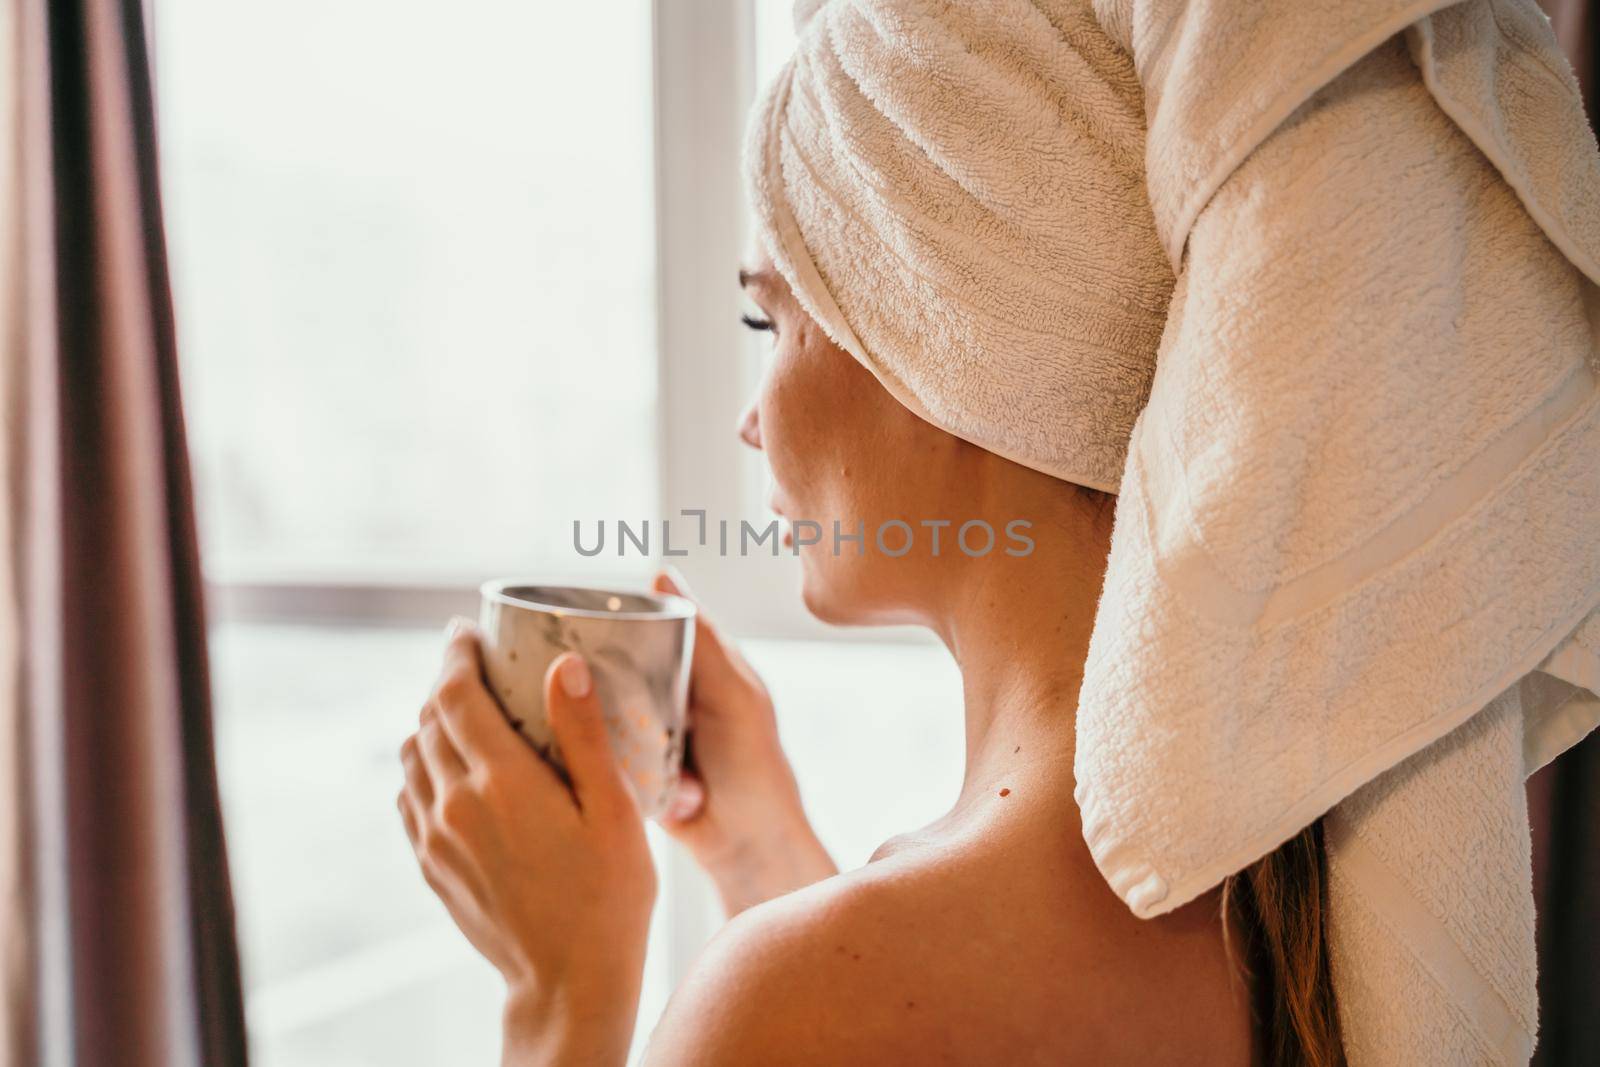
column 1345, row 338
column 956, row 194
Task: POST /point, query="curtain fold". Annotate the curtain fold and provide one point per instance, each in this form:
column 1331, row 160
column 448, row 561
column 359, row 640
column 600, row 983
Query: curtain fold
column 120, row 909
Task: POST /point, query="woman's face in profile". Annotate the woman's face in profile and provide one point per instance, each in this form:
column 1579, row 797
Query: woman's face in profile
column 841, row 448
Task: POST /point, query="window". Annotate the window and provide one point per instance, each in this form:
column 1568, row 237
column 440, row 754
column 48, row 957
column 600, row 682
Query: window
column 416, row 283
column 448, row 279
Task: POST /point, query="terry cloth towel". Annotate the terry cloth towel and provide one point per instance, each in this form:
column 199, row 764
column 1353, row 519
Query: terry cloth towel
column 955, row 192
column 1362, row 506
column 1325, row 277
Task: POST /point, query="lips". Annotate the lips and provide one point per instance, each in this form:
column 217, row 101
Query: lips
column 788, row 529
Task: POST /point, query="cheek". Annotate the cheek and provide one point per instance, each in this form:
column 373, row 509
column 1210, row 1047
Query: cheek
column 797, row 433
column 829, row 430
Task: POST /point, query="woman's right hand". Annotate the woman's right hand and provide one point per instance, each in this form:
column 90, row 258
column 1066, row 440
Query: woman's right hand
column 737, row 809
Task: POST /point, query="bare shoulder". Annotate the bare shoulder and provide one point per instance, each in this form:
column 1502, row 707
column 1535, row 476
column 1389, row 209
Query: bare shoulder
column 816, row 976
column 960, row 956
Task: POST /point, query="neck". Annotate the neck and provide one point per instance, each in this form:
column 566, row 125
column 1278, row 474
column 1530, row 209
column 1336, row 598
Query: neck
column 1019, row 630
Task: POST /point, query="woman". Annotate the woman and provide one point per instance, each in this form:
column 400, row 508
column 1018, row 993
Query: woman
column 1364, row 504
column 985, row 937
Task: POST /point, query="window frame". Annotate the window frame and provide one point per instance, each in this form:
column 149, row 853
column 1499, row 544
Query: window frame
column 703, row 84
column 704, row 59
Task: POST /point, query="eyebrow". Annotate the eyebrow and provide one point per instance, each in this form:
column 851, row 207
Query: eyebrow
column 746, row 277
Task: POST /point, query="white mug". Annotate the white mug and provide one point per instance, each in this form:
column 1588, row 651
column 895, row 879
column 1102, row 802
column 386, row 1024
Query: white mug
column 638, row 647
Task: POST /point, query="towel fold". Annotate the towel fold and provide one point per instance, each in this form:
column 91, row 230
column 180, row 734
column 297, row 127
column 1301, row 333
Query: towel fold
column 1316, row 288
column 1362, row 504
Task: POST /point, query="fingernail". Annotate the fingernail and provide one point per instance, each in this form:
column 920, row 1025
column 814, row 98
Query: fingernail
column 687, row 799
column 455, row 626
column 574, row 677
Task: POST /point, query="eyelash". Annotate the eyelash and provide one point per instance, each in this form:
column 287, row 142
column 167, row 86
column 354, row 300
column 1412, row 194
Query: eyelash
column 758, row 324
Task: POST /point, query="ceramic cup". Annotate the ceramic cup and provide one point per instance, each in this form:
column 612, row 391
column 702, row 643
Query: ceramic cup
column 638, row 647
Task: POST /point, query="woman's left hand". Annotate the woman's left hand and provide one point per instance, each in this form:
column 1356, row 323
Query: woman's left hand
column 552, row 883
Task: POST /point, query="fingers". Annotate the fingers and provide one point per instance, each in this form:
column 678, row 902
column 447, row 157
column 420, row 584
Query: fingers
column 468, row 712
column 417, row 780
column 444, row 764
column 578, row 722
column 714, row 671
column 687, row 800
column 671, row 580
column 409, row 818
column 442, row 862
column 432, row 806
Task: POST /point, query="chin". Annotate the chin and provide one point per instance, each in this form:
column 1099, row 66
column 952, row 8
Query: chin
column 819, row 604
column 820, row 591
column 833, row 594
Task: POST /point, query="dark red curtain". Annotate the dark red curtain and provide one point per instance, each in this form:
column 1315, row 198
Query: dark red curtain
column 120, row 879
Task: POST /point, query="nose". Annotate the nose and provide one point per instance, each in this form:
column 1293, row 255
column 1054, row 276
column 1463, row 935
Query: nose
column 750, row 426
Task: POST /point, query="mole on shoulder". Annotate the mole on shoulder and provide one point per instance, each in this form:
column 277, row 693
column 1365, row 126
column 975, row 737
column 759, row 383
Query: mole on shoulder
column 1016, row 750
column 1005, row 792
